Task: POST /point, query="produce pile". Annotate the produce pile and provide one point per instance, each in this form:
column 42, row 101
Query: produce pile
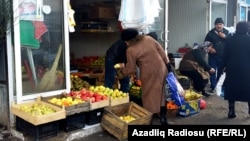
column 127, row 118
column 37, row 109
column 135, row 89
column 97, row 93
column 99, row 62
column 77, row 83
column 191, row 95
column 66, row 101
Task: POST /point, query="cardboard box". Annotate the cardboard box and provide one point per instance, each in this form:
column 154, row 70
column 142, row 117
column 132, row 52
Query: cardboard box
column 190, row 108
column 103, row 12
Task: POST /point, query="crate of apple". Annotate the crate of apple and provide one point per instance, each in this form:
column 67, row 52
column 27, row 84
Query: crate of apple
column 88, row 95
column 72, row 105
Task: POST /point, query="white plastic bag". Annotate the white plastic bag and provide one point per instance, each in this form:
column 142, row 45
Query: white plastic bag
column 219, row 87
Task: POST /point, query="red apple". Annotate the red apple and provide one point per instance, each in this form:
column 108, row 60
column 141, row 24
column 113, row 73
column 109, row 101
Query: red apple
column 93, row 99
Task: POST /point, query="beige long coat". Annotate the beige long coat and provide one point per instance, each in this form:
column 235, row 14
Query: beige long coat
column 151, row 58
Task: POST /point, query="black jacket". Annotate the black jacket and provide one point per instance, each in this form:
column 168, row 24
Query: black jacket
column 195, row 55
column 218, row 42
column 117, row 52
column 234, row 60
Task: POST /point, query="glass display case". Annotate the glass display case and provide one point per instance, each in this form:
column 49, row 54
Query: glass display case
column 43, row 44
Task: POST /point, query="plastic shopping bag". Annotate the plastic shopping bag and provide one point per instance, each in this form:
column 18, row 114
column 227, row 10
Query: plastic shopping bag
column 167, row 91
column 177, row 92
column 219, row 87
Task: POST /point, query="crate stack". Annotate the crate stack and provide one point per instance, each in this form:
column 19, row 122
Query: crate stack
column 71, row 112
column 38, row 126
column 75, row 114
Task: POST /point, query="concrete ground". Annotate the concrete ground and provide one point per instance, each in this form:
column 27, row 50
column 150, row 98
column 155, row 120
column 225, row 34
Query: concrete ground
column 215, row 113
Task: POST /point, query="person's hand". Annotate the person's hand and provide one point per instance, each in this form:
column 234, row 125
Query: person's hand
column 221, row 34
column 212, row 50
column 122, row 65
column 212, row 70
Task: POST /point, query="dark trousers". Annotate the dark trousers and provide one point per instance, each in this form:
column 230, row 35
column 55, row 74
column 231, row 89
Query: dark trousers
column 199, row 83
column 110, row 76
column 231, row 104
column 215, row 62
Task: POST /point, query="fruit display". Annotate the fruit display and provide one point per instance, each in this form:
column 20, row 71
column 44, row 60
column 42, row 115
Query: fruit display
column 84, row 61
column 127, row 118
column 112, row 93
column 135, row 91
column 87, row 95
column 65, row 101
column 37, row 109
column 171, row 105
column 77, row 83
column 99, row 62
column 191, row 95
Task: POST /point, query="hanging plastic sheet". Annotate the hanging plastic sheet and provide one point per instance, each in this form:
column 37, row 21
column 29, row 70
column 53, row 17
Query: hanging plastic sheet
column 138, row 13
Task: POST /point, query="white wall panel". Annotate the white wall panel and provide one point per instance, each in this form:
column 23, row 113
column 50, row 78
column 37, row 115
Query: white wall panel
column 187, row 23
column 91, row 44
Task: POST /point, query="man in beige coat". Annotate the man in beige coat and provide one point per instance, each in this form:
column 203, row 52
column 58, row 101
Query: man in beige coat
column 146, row 53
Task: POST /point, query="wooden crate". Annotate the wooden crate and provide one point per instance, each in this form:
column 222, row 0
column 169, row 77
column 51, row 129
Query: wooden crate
column 99, row 104
column 70, row 110
column 118, row 101
column 112, row 123
column 38, row 120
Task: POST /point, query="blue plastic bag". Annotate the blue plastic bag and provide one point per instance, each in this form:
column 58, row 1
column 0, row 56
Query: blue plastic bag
column 177, row 92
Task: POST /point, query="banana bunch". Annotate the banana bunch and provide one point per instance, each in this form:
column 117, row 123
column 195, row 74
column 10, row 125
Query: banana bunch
column 191, row 95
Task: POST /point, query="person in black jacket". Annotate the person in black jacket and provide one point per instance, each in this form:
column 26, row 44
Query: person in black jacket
column 217, row 36
column 116, row 54
column 197, row 56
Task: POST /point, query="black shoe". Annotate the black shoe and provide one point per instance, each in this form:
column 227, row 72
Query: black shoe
column 212, row 91
column 164, row 121
column 205, row 94
column 231, row 113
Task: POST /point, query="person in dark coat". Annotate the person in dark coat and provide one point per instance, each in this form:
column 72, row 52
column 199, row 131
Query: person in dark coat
column 116, row 54
column 217, row 36
column 236, row 53
column 197, row 55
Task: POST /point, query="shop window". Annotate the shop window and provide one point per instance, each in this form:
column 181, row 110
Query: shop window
column 42, row 42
